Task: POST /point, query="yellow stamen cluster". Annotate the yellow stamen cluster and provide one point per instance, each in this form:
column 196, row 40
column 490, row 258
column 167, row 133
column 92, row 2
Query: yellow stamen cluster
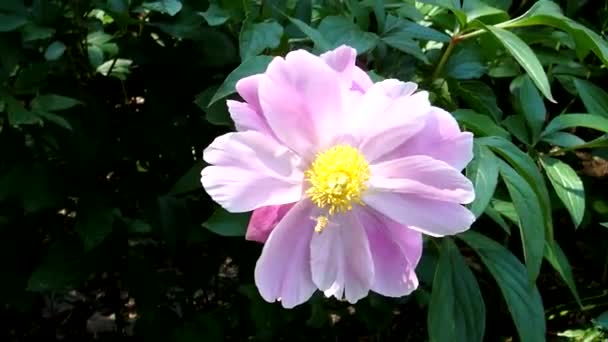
column 337, row 179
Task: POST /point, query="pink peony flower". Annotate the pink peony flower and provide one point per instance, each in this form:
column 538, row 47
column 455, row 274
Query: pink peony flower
column 344, row 175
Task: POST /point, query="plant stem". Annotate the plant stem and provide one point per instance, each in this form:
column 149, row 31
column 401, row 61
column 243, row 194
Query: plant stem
column 444, row 58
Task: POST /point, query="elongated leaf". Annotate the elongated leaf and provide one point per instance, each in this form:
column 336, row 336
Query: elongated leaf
column 483, row 172
column 525, row 57
column 413, row 30
column 339, row 30
column 576, row 120
column 405, row 44
column 251, row 66
column 526, row 167
column 479, row 124
column 94, row 223
column 563, row 139
column 480, row 97
column 227, row 224
column 559, row 261
column 594, row 98
column 456, row 310
column 531, row 105
column 522, row 298
column 568, row 186
column 320, row 42
column 531, row 221
column 52, row 102
column 11, row 22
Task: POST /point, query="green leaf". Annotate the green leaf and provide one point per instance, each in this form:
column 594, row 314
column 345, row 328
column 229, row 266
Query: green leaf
column 546, row 12
column 526, row 167
column 217, row 113
column 594, row 98
column 525, row 57
column 516, row 124
column 559, row 261
column 320, row 42
column 568, row 186
column 32, row 32
column 215, row 15
column 530, row 104
column 61, row 268
column 466, row 62
column 480, row 97
column 413, row 30
column 227, row 224
column 54, row 118
column 522, row 298
column 190, row 181
column 18, row 115
column 254, row 65
column 405, row 44
column 483, row 172
column 339, row 30
column 170, row 7
column 531, row 222
column 118, row 68
column 94, row 223
column 456, row 310
column 506, row 209
column 52, row 102
column 10, row 23
column 475, row 9
column 565, row 121
column 563, row 139
column 54, row 51
column 257, row 37
column 605, row 224
column 497, row 218
column 479, row 124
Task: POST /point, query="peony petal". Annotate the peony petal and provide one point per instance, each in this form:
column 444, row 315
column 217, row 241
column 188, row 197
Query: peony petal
column 422, row 176
column 386, row 122
column 301, row 98
column 247, row 87
column 264, row 220
column 431, row 217
column 441, row 139
column 395, row 252
column 246, row 118
column 251, row 170
column 341, row 260
column 283, row 270
column 361, row 81
column 342, row 60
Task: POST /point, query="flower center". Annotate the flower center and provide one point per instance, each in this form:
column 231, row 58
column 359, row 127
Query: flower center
column 337, row 178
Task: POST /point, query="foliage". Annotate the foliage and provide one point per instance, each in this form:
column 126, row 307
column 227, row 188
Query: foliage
column 106, row 105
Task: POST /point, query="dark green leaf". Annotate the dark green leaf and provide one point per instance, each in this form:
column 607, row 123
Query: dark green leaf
column 531, row 222
column 10, row 23
column 94, row 223
column 54, row 51
column 405, row 44
column 526, row 58
column 257, row 37
column 522, row 298
column 338, row 30
column 54, row 118
column 466, row 62
column 479, row 97
column 516, row 124
column 170, row 7
column 530, row 104
column 483, row 172
column 190, row 181
column 559, row 261
column 594, row 98
column 18, row 115
column 118, row 68
column 52, row 102
column 475, row 9
column 412, row 30
column 227, row 224
column 565, row 121
column 568, row 186
column 563, row 139
column 249, row 67
column 215, row 15
column 60, row 269
column 479, row 124
column 456, row 310
column 217, row 113
column 31, row 32
column 321, row 43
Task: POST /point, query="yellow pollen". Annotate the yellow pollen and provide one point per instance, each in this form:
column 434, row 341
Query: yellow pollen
column 337, row 179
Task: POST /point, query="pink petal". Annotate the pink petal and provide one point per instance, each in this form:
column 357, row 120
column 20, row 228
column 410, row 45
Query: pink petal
column 422, row 176
column 342, row 59
column 431, row 217
column 441, row 139
column 341, row 260
column 301, row 98
column 248, row 89
column 283, row 270
column 251, row 170
column 385, row 122
column 264, row 220
column 361, row 81
column 396, row 251
column 246, row 118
